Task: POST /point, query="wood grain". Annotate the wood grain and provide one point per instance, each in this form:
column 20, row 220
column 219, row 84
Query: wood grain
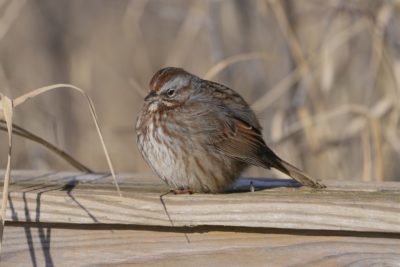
column 91, row 199
column 52, row 246
column 70, row 219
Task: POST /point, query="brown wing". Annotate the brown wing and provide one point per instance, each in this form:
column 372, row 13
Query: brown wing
column 244, row 142
column 227, row 124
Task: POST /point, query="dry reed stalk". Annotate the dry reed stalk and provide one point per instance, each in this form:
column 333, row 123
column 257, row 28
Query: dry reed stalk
column 383, row 17
column 378, row 157
column 225, row 63
column 131, row 25
column 377, row 59
column 296, row 51
column 191, row 26
column 12, row 11
column 366, row 152
column 280, row 89
column 327, row 70
column 366, row 123
column 378, row 62
column 392, row 67
column 396, row 75
column 393, row 139
column 307, row 126
column 21, row 99
column 272, row 95
column 277, row 124
column 17, row 130
column 390, row 131
column 327, row 61
column 333, row 45
column 306, row 73
column 381, row 108
column 6, row 112
column 292, row 41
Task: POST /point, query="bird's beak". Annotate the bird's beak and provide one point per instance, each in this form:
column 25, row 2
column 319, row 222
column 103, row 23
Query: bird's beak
column 151, row 95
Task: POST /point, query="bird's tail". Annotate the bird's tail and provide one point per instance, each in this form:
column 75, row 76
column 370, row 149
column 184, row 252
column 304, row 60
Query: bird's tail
column 297, row 174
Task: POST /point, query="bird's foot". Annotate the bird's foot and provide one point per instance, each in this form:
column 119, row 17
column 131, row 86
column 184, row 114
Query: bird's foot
column 182, row 191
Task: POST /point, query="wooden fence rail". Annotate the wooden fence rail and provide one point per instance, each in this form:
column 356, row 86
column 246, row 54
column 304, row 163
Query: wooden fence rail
column 88, row 207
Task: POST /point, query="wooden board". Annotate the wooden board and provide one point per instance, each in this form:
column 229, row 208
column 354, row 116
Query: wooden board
column 91, row 199
column 70, row 219
column 41, row 245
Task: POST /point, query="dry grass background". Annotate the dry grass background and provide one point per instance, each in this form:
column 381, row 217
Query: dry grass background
column 322, row 75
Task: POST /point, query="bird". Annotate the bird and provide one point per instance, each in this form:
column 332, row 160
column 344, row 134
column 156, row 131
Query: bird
column 199, row 135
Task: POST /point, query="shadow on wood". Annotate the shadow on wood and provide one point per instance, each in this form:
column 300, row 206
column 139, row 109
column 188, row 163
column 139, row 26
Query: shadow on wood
column 257, row 184
column 68, row 218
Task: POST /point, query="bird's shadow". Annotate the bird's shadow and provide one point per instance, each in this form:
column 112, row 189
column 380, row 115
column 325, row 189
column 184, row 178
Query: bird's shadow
column 257, row 184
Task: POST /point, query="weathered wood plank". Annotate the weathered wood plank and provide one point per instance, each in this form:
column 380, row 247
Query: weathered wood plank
column 44, row 246
column 149, row 182
column 72, row 198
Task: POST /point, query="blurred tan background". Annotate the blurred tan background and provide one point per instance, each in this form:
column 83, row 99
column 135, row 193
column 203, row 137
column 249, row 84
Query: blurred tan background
column 322, row 75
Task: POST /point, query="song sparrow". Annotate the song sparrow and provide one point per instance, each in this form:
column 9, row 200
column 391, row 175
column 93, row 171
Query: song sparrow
column 199, row 135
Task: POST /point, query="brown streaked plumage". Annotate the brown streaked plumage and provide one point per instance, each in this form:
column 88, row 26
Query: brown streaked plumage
column 199, row 135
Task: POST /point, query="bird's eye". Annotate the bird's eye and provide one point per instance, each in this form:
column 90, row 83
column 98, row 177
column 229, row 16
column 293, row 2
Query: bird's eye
column 170, row 92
